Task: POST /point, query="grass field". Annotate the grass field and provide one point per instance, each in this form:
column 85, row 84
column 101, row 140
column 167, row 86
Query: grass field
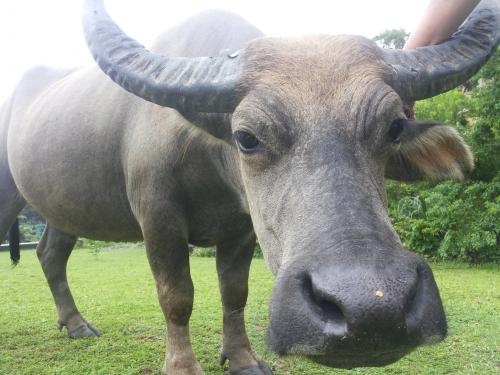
column 115, row 291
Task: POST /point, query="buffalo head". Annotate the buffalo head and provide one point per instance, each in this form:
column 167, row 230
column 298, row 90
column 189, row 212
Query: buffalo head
column 319, row 123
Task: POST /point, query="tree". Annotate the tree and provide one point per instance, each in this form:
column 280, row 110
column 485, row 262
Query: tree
column 395, row 38
column 458, row 220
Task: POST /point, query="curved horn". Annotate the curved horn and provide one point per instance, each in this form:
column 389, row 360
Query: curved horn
column 428, row 71
column 201, row 84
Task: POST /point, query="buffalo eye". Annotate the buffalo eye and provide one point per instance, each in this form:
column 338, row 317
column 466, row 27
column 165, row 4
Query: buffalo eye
column 395, row 131
column 246, row 141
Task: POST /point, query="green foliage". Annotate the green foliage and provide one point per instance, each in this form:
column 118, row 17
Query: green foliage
column 209, row 252
column 31, row 225
column 449, row 220
column 204, row 252
column 395, row 38
column 458, row 220
column 452, row 107
column 97, row 247
column 27, row 231
column 484, row 135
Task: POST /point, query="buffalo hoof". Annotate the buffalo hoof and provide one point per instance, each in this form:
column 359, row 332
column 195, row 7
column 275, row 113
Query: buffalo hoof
column 81, row 331
column 84, row 331
column 261, row 369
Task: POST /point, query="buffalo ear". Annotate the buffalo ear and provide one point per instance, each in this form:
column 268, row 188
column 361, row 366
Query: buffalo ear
column 429, row 151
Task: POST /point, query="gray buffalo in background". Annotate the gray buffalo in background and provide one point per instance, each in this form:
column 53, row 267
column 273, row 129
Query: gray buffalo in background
column 288, row 137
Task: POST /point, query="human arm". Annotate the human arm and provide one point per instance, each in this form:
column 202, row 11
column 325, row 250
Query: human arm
column 441, row 19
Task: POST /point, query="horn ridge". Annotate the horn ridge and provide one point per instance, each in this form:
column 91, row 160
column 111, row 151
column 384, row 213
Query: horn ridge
column 428, row 71
column 200, row 84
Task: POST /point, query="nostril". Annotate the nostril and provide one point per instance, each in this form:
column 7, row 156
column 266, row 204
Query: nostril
column 325, row 307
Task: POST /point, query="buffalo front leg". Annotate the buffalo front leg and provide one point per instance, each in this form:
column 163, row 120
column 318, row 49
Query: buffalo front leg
column 169, row 261
column 53, row 252
column 233, row 265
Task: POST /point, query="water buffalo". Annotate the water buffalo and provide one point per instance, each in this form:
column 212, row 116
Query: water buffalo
column 289, row 137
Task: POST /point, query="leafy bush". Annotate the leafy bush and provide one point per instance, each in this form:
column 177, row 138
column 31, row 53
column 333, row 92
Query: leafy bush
column 96, row 247
column 449, row 220
column 204, row 252
column 31, row 225
column 458, row 220
column 209, row 252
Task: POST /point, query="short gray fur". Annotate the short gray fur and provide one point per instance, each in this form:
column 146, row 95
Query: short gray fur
column 99, row 162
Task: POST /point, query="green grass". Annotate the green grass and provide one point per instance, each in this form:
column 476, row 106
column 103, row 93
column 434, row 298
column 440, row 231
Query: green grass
column 115, row 290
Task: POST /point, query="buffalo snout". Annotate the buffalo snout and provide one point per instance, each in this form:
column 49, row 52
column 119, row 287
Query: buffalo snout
column 354, row 312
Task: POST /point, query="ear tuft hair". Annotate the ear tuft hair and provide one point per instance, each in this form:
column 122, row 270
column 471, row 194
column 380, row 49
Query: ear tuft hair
column 436, row 153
